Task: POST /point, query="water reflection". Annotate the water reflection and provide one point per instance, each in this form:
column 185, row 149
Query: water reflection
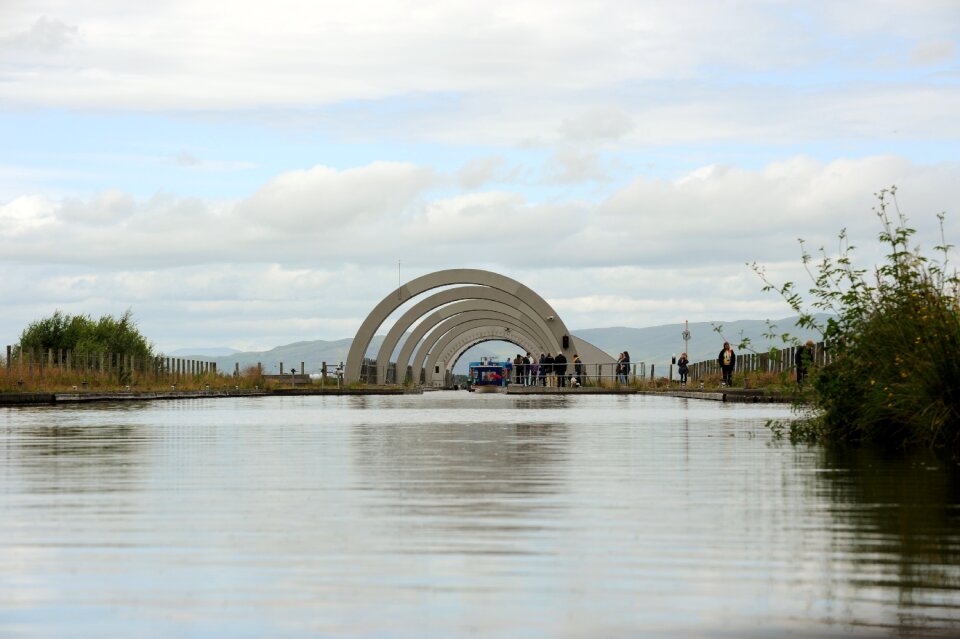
column 453, row 515
column 463, row 475
column 898, row 518
column 72, row 458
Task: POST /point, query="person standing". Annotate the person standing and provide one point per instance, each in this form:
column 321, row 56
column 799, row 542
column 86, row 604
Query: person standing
column 577, row 370
column 526, row 369
column 518, row 369
column 560, row 366
column 542, row 370
column 802, row 359
column 548, row 366
column 683, row 366
column 728, row 361
column 626, row 367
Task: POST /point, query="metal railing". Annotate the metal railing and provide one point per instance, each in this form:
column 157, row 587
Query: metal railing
column 590, row 374
column 778, row 361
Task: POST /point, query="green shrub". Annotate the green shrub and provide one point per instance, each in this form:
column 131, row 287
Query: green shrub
column 893, row 341
column 81, row 334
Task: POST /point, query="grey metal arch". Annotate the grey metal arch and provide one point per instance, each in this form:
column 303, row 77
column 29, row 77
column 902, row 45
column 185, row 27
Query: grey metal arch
column 455, row 350
column 592, row 356
column 453, row 326
column 442, row 314
column 471, row 338
column 450, row 277
column 435, row 301
column 430, row 322
column 464, row 338
column 453, row 353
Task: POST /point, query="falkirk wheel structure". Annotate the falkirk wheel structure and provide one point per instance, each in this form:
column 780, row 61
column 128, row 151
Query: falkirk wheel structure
column 474, row 306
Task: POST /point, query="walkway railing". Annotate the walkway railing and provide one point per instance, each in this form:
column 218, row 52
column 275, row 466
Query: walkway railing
column 780, row 361
column 593, row 373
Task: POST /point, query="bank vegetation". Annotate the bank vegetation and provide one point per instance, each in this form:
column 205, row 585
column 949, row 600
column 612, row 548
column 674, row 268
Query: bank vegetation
column 893, row 333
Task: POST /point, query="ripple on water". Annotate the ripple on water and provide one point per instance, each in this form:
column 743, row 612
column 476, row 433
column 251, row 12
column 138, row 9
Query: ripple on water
column 455, row 514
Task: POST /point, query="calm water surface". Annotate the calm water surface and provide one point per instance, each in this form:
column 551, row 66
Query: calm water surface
column 453, row 514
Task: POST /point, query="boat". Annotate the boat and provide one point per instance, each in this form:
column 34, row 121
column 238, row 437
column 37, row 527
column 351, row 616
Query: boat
column 489, row 376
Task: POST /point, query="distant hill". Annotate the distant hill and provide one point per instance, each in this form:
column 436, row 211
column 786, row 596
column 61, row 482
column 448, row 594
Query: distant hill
column 207, row 351
column 652, row 345
column 311, row 353
column 656, row 344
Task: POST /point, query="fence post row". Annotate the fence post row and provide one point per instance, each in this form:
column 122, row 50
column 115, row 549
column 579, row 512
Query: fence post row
column 29, row 361
column 127, row 368
column 760, row 362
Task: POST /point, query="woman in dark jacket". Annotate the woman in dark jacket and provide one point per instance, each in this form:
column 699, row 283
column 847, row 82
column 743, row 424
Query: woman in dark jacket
column 728, row 361
column 577, row 370
column 683, row 365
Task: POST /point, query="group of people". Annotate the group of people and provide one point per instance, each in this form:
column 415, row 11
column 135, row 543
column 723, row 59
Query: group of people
column 550, row 370
column 546, row 370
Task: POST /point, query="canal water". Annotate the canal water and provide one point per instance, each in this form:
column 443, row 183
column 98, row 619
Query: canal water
column 453, row 514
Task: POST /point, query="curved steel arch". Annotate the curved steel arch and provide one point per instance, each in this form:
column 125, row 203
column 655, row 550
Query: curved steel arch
column 430, row 281
column 454, row 325
column 421, row 308
column 467, row 306
column 456, row 350
column 470, row 337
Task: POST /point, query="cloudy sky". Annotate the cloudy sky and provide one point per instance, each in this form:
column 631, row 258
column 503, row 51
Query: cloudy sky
column 249, row 174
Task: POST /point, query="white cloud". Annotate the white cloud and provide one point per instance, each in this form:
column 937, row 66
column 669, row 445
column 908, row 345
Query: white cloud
column 571, row 165
column 479, row 171
column 24, row 214
column 107, row 207
column 599, row 124
column 382, row 211
column 619, row 71
column 933, row 52
column 319, row 247
column 321, row 198
column 44, row 35
column 586, row 92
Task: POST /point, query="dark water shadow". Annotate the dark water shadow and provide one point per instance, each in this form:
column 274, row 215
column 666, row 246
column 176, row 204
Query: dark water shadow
column 897, row 517
column 74, row 458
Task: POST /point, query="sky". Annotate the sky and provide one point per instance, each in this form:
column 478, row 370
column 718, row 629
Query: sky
column 255, row 174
